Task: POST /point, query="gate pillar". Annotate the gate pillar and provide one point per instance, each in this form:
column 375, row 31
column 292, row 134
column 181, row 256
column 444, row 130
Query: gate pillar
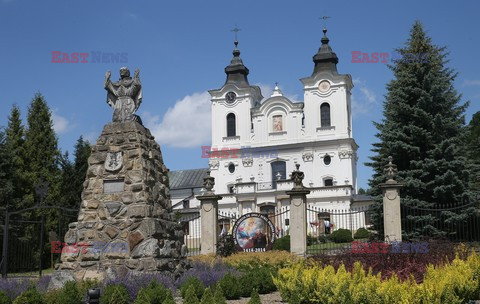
column 392, row 221
column 209, row 216
column 298, row 214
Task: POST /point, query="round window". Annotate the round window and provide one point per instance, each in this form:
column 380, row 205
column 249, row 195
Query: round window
column 327, row 160
column 231, row 168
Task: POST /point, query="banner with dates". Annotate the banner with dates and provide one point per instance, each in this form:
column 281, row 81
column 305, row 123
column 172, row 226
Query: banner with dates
column 253, row 232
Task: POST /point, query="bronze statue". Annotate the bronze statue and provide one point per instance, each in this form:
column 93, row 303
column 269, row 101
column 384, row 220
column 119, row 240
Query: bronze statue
column 124, row 96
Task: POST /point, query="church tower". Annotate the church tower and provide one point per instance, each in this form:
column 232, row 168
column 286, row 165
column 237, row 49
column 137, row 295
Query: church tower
column 231, row 104
column 328, row 111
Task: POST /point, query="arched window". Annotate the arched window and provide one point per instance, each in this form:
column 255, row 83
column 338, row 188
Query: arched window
column 325, row 115
column 278, row 172
column 231, row 125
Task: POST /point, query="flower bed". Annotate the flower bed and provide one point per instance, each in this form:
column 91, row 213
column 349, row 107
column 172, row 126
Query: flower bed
column 306, row 282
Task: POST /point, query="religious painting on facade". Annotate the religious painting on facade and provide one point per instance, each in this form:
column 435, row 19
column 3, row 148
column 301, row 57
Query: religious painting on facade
column 277, row 123
column 253, row 232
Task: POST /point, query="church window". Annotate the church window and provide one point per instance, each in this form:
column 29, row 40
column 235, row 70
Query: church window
column 231, row 168
column 328, row 182
column 231, row 125
column 277, row 123
column 325, row 115
column 278, row 172
column 327, row 160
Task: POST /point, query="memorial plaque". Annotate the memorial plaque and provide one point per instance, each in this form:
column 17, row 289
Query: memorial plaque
column 113, row 186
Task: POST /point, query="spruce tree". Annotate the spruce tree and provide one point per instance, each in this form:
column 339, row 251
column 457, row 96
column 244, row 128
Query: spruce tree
column 15, row 143
column 472, row 147
column 82, row 152
column 422, row 130
column 6, row 173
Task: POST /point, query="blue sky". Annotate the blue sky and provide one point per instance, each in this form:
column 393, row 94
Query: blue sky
column 182, row 47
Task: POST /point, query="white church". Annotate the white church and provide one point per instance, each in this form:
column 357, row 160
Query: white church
column 264, row 139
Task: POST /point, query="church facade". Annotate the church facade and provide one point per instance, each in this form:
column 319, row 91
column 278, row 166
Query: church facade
column 257, row 142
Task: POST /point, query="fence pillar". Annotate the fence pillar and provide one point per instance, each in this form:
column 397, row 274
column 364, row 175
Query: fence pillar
column 208, row 216
column 298, row 214
column 392, row 221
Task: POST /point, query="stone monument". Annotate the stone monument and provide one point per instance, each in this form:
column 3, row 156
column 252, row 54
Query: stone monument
column 125, row 224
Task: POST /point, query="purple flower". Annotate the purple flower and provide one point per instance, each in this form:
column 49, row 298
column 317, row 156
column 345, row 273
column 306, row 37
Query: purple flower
column 208, row 274
column 14, row 287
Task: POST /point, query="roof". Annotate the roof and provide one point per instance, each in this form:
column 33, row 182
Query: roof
column 182, row 179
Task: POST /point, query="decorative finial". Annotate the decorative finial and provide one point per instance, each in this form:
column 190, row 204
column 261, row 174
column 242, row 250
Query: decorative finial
column 236, row 30
column 297, row 166
column 276, row 91
column 208, row 183
column 297, row 178
column 390, row 170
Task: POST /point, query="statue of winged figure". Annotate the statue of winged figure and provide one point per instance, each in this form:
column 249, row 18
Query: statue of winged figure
column 124, row 96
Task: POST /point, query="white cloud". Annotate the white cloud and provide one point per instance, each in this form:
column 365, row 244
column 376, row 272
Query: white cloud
column 471, row 82
column 362, row 103
column 60, row 124
column 187, row 124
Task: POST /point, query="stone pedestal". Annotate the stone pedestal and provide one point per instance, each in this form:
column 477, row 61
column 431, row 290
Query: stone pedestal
column 298, row 221
column 392, row 221
column 209, row 216
column 125, row 220
column 298, row 214
column 209, row 223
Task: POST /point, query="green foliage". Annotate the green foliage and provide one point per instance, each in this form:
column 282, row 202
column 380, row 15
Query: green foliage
column 169, row 299
column 454, row 282
column 230, row 286
column 30, row 296
column 198, row 287
column 219, row 296
column 6, row 173
column 114, row 294
column 207, row 297
column 259, row 278
column 341, row 236
column 282, row 243
column 69, row 294
column 361, row 233
column 226, row 246
column 4, row 299
column 255, row 298
column 191, row 296
column 154, row 293
column 422, row 130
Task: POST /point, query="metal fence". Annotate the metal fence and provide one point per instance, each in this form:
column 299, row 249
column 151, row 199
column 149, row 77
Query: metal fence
column 452, row 222
column 192, row 233
column 323, row 225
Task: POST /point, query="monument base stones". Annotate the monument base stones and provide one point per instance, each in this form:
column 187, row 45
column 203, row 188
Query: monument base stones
column 124, row 224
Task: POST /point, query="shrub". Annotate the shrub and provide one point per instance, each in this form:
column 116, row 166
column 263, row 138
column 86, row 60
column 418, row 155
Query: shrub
column 169, row 299
column 114, row 294
column 69, row 294
column 255, row 298
column 197, row 285
column 282, row 243
column 30, row 296
column 207, row 297
column 4, row 299
column 154, row 293
column 341, row 236
column 454, row 282
column 218, row 296
column 230, row 286
column 209, row 273
column 226, row 246
column 257, row 278
column 361, row 233
column 311, row 240
column 190, row 296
